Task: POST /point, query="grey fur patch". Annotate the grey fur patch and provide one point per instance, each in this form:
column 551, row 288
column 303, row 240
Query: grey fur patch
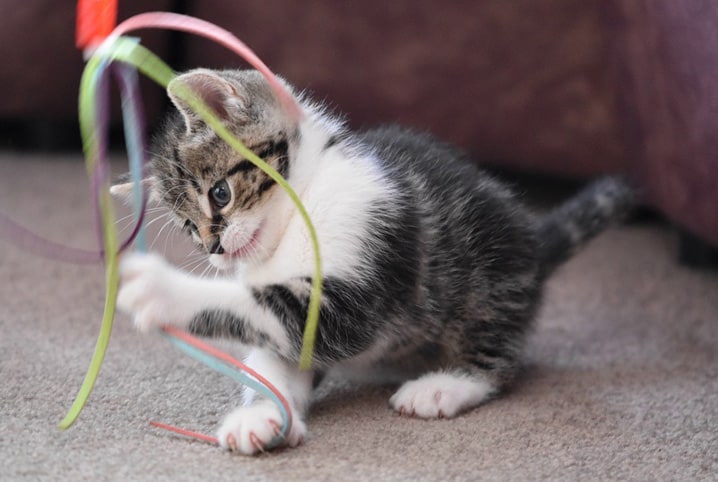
column 453, row 265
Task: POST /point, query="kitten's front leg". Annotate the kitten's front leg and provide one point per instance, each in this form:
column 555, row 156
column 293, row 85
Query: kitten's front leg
column 155, row 293
column 248, row 429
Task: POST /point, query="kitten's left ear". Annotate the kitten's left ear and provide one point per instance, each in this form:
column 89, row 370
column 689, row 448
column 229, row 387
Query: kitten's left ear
column 212, row 89
column 123, row 189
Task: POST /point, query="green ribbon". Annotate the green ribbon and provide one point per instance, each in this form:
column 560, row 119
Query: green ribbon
column 128, row 50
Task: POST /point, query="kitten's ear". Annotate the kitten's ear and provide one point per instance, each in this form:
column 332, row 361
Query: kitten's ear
column 123, row 189
column 214, row 90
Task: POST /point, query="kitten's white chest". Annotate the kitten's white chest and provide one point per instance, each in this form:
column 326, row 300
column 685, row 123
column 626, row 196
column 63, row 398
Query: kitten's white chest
column 339, row 200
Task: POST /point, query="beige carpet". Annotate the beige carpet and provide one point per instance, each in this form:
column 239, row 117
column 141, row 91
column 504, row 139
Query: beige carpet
column 621, row 377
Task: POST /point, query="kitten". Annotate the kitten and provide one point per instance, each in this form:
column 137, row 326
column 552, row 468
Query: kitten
column 433, row 270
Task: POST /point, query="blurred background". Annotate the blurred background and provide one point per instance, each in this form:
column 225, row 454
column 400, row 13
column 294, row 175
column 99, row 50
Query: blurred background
column 562, row 88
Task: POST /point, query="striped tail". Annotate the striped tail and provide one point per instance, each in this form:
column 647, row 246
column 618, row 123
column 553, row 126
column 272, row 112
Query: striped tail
column 564, row 230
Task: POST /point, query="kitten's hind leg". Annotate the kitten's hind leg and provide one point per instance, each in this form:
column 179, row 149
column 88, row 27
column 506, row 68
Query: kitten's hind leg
column 442, row 394
column 248, row 429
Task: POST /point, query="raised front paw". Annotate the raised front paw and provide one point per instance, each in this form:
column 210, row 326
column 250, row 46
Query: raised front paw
column 440, row 395
column 153, row 292
column 249, row 430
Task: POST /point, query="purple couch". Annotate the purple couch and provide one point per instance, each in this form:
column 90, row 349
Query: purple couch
column 41, row 70
column 565, row 87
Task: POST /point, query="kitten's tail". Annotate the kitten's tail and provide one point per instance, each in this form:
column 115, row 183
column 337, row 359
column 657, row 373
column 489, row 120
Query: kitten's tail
column 562, row 231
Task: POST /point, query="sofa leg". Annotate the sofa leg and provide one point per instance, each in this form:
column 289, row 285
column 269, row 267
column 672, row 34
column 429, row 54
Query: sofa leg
column 696, row 253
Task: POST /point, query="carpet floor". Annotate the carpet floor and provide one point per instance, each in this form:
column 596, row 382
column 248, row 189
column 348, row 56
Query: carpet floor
column 620, row 379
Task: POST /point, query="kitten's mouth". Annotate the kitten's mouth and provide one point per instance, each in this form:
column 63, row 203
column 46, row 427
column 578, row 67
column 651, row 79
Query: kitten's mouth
column 247, row 248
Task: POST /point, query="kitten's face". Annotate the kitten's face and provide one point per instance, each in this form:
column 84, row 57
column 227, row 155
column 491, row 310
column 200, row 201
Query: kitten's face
column 222, row 200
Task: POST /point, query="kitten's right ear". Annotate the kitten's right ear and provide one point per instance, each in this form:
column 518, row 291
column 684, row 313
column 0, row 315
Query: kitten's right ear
column 123, row 188
column 217, row 92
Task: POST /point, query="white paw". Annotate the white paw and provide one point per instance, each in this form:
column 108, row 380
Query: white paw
column 152, row 292
column 249, row 430
column 440, row 395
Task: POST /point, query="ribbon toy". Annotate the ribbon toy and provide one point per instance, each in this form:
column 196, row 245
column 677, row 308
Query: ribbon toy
column 109, row 51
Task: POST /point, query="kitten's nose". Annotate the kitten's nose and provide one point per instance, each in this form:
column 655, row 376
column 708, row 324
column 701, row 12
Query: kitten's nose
column 215, row 247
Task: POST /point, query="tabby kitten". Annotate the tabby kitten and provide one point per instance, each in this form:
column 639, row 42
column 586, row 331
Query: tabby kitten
column 432, row 269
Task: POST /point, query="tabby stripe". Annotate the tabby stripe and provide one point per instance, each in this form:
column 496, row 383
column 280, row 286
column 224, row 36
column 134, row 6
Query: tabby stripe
column 290, row 310
column 220, row 323
column 278, row 148
column 264, row 151
column 344, row 329
column 266, row 185
column 242, row 166
column 483, row 364
column 218, row 223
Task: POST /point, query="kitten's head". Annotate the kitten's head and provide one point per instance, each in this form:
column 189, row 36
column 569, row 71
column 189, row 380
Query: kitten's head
column 221, row 199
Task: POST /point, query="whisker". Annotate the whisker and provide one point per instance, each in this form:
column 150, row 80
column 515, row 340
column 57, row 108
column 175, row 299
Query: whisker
column 196, row 263
column 154, row 220
column 159, row 233
column 170, row 237
column 206, row 269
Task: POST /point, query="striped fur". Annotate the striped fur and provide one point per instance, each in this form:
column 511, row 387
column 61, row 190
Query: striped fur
column 433, row 270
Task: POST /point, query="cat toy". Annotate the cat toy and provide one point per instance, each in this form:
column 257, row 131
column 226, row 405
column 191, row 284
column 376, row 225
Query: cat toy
column 109, row 51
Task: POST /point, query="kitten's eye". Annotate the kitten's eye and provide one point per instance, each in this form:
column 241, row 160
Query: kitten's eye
column 220, row 194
